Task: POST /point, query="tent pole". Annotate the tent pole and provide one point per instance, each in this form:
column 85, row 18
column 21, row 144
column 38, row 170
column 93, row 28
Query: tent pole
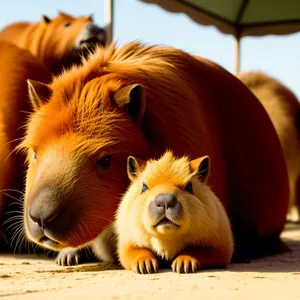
column 108, row 20
column 237, row 52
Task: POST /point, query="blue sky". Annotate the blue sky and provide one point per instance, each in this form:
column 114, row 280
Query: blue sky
column 279, row 56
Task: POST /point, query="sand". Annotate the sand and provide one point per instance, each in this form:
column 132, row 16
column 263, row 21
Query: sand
column 32, row 277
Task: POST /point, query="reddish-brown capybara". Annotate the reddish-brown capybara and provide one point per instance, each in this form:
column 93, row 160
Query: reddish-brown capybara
column 283, row 108
column 58, row 42
column 139, row 100
column 16, row 66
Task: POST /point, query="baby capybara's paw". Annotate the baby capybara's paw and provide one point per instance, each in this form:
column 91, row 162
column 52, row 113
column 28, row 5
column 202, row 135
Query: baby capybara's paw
column 68, row 257
column 145, row 265
column 185, row 264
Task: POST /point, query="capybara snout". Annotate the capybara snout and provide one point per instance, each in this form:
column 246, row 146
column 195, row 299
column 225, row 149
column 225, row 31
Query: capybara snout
column 165, row 206
column 91, row 35
column 41, row 212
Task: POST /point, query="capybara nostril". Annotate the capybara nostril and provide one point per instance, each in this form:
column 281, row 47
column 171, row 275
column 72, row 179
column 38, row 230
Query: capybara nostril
column 165, row 200
column 94, row 29
column 164, row 204
column 41, row 212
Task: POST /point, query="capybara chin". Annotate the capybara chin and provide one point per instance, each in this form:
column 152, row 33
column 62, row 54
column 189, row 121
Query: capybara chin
column 140, row 100
column 283, row 108
column 169, row 213
column 58, row 42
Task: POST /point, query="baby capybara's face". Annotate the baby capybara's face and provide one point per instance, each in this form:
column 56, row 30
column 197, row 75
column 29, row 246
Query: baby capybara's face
column 164, row 196
column 77, row 151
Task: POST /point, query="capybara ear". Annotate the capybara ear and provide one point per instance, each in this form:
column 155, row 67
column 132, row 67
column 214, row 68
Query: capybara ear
column 46, row 19
column 132, row 99
column 64, row 15
column 201, row 167
column 91, row 17
column 39, row 93
column 134, row 167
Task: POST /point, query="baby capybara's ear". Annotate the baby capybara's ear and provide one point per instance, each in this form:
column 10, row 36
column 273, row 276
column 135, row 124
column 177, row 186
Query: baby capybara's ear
column 134, row 167
column 131, row 98
column 39, row 93
column 201, row 167
column 46, row 19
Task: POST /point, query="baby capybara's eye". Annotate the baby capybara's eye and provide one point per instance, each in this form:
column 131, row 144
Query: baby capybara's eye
column 34, row 156
column 67, row 24
column 189, row 188
column 144, row 188
column 104, row 162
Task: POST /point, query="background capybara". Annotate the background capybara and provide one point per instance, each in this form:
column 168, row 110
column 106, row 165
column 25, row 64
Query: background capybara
column 16, row 66
column 58, row 42
column 139, row 100
column 170, row 214
column 283, row 108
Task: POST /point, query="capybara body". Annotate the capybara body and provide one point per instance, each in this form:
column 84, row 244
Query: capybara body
column 140, row 100
column 16, row 66
column 283, row 108
column 169, row 213
column 58, row 42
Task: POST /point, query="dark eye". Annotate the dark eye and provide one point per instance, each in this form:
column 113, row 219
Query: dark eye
column 67, row 24
column 34, row 156
column 104, row 162
column 189, row 188
column 144, row 188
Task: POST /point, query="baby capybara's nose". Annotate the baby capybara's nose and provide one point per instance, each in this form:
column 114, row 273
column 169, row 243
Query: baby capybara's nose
column 41, row 211
column 165, row 204
column 94, row 29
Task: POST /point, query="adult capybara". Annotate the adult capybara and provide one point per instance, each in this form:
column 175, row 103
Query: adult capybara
column 283, row 108
column 169, row 214
column 139, row 100
column 58, row 42
column 16, row 66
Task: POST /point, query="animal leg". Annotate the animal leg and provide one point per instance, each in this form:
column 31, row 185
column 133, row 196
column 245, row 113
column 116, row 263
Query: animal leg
column 192, row 260
column 140, row 260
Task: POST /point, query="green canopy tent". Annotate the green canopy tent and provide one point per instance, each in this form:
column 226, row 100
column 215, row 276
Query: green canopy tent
column 240, row 17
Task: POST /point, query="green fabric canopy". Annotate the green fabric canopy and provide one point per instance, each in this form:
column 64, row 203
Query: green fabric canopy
column 240, row 17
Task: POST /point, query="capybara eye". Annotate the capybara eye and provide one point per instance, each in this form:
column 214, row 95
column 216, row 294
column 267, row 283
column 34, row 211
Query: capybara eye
column 104, row 162
column 189, row 188
column 144, row 188
column 67, row 24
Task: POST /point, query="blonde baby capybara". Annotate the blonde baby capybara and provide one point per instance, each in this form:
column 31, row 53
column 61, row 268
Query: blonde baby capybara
column 283, row 108
column 169, row 213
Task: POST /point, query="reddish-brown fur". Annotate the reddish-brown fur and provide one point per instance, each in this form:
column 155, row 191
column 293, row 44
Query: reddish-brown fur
column 192, row 107
column 52, row 42
column 16, row 66
column 283, row 108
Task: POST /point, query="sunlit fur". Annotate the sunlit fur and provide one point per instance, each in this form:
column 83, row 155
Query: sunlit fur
column 52, row 42
column 283, row 108
column 203, row 222
column 193, row 107
column 16, row 65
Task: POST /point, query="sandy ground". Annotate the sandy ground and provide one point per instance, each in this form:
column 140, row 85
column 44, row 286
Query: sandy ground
column 276, row 277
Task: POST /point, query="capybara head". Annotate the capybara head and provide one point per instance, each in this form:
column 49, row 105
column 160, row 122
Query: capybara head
column 167, row 197
column 77, row 147
column 63, row 40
